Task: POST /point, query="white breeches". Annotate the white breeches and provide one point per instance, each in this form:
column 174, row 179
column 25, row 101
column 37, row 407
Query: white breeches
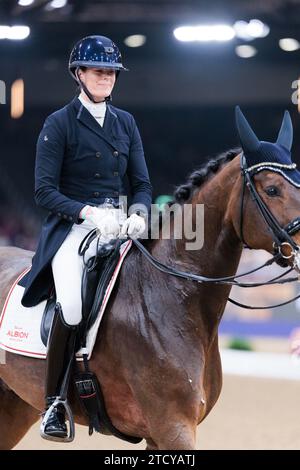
column 67, row 268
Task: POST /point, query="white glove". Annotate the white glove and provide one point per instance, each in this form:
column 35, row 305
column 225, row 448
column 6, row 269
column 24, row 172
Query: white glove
column 108, row 227
column 134, row 226
column 103, row 219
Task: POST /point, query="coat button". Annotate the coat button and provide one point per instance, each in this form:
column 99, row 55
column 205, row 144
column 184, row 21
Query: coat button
column 116, row 173
column 70, row 218
column 98, row 154
column 65, row 216
column 59, row 214
column 115, row 153
column 96, row 194
column 97, row 175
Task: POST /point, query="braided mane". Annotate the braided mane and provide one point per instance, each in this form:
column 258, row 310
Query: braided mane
column 200, row 176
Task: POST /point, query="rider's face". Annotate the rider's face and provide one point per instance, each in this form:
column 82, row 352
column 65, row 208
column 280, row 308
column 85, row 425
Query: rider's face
column 99, row 82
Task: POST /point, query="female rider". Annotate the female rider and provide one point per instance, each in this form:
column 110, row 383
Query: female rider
column 84, row 152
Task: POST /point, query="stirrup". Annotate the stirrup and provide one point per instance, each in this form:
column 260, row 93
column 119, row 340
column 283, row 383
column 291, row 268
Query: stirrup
column 69, row 417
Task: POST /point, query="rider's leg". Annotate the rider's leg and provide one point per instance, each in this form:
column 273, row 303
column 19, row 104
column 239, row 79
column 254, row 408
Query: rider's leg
column 67, row 268
column 61, row 347
column 67, row 273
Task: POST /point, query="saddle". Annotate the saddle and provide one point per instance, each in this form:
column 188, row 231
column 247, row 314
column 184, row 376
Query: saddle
column 96, row 276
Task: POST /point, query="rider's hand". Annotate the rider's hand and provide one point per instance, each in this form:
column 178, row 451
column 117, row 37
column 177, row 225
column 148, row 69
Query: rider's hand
column 134, row 226
column 106, row 223
column 109, row 227
column 91, row 214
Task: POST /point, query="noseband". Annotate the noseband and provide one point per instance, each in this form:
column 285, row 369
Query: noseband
column 281, row 235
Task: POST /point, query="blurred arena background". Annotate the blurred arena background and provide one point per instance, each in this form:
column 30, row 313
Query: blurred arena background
column 182, row 93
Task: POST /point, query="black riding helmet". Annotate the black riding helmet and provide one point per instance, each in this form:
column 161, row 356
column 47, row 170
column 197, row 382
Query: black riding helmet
column 97, row 52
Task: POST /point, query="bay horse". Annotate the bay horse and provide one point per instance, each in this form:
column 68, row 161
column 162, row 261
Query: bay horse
column 156, row 354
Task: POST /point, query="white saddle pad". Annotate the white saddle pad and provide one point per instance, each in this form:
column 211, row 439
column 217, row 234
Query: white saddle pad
column 20, row 326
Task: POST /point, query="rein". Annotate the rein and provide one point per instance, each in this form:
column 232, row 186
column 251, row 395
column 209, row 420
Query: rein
column 230, row 280
column 281, row 237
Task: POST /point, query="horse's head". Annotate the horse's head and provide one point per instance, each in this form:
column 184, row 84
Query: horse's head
column 270, row 204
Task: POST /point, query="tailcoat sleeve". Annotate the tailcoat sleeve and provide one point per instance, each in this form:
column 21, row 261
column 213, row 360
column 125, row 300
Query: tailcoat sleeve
column 50, row 152
column 137, row 171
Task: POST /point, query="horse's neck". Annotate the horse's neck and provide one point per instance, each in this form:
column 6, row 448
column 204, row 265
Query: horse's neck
column 221, row 250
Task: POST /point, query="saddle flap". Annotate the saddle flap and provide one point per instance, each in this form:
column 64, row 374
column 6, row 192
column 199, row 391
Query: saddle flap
column 95, row 280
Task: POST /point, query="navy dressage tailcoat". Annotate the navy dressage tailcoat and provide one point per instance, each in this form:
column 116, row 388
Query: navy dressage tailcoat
column 80, row 162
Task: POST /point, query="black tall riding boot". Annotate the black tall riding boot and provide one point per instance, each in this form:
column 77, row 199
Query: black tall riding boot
column 60, row 350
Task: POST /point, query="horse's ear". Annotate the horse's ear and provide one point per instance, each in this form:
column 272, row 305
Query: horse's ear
column 249, row 141
column 285, row 135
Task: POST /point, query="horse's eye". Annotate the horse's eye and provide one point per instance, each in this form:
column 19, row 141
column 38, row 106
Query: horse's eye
column 272, row 191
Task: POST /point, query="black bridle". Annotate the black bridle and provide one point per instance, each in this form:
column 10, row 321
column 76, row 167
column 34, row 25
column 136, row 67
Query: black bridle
column 281, row 235
column 281, row 238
